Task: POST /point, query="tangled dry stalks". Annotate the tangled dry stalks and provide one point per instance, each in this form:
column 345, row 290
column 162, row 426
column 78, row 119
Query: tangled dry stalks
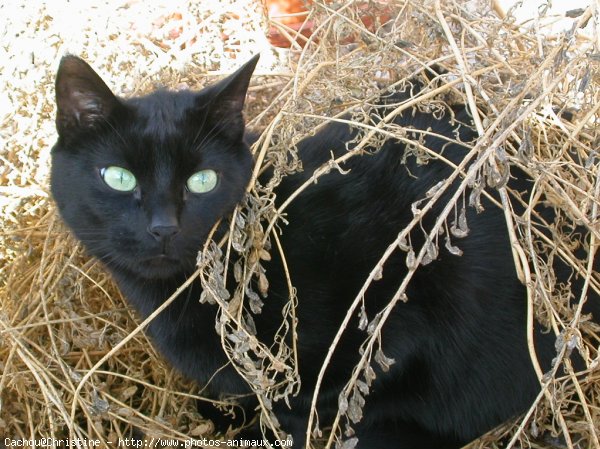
column 74, row 359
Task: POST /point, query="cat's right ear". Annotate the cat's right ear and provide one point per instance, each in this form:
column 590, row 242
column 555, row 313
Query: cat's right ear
column 83, row 101
column 227, row 99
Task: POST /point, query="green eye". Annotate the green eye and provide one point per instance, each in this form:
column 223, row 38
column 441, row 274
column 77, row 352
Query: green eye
column 202, row 181
column 118, row 178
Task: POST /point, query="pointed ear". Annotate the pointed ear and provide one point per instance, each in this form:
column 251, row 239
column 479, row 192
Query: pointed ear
column 227, row 102
column 83, row 100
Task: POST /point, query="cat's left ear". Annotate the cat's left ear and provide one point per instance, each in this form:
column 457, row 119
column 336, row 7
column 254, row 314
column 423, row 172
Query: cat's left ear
column 83, row 100
column 226, row 105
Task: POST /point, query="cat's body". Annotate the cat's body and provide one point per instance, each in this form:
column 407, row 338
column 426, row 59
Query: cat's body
column 459, row 342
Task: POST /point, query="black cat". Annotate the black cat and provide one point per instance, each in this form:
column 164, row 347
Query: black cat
column 142, row 181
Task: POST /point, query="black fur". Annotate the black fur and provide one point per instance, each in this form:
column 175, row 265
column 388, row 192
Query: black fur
column 459, row 343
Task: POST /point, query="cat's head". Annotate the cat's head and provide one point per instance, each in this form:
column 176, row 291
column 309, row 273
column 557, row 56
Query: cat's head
column 142, row 181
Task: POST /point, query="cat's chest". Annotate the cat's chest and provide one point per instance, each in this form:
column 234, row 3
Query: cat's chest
column 191, row 345
column 184, row 332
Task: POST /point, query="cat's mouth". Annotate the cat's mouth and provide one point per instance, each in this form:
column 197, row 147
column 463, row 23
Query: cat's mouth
column 161, row 266
column 161, row 258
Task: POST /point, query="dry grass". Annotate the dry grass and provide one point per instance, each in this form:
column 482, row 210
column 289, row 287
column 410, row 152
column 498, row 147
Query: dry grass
column 74, row 359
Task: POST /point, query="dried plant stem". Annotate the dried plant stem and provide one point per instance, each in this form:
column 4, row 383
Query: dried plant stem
column 294, row 318
column 543, row 392
column 263, row 142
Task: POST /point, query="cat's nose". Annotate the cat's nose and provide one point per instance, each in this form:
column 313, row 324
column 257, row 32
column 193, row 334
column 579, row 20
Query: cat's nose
column 161, row 232
column 163, row 224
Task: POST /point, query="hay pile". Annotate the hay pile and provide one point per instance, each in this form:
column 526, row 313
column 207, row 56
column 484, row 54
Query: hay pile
column 535, row 99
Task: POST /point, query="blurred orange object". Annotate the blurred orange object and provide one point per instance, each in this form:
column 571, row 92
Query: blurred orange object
column 289, row 17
